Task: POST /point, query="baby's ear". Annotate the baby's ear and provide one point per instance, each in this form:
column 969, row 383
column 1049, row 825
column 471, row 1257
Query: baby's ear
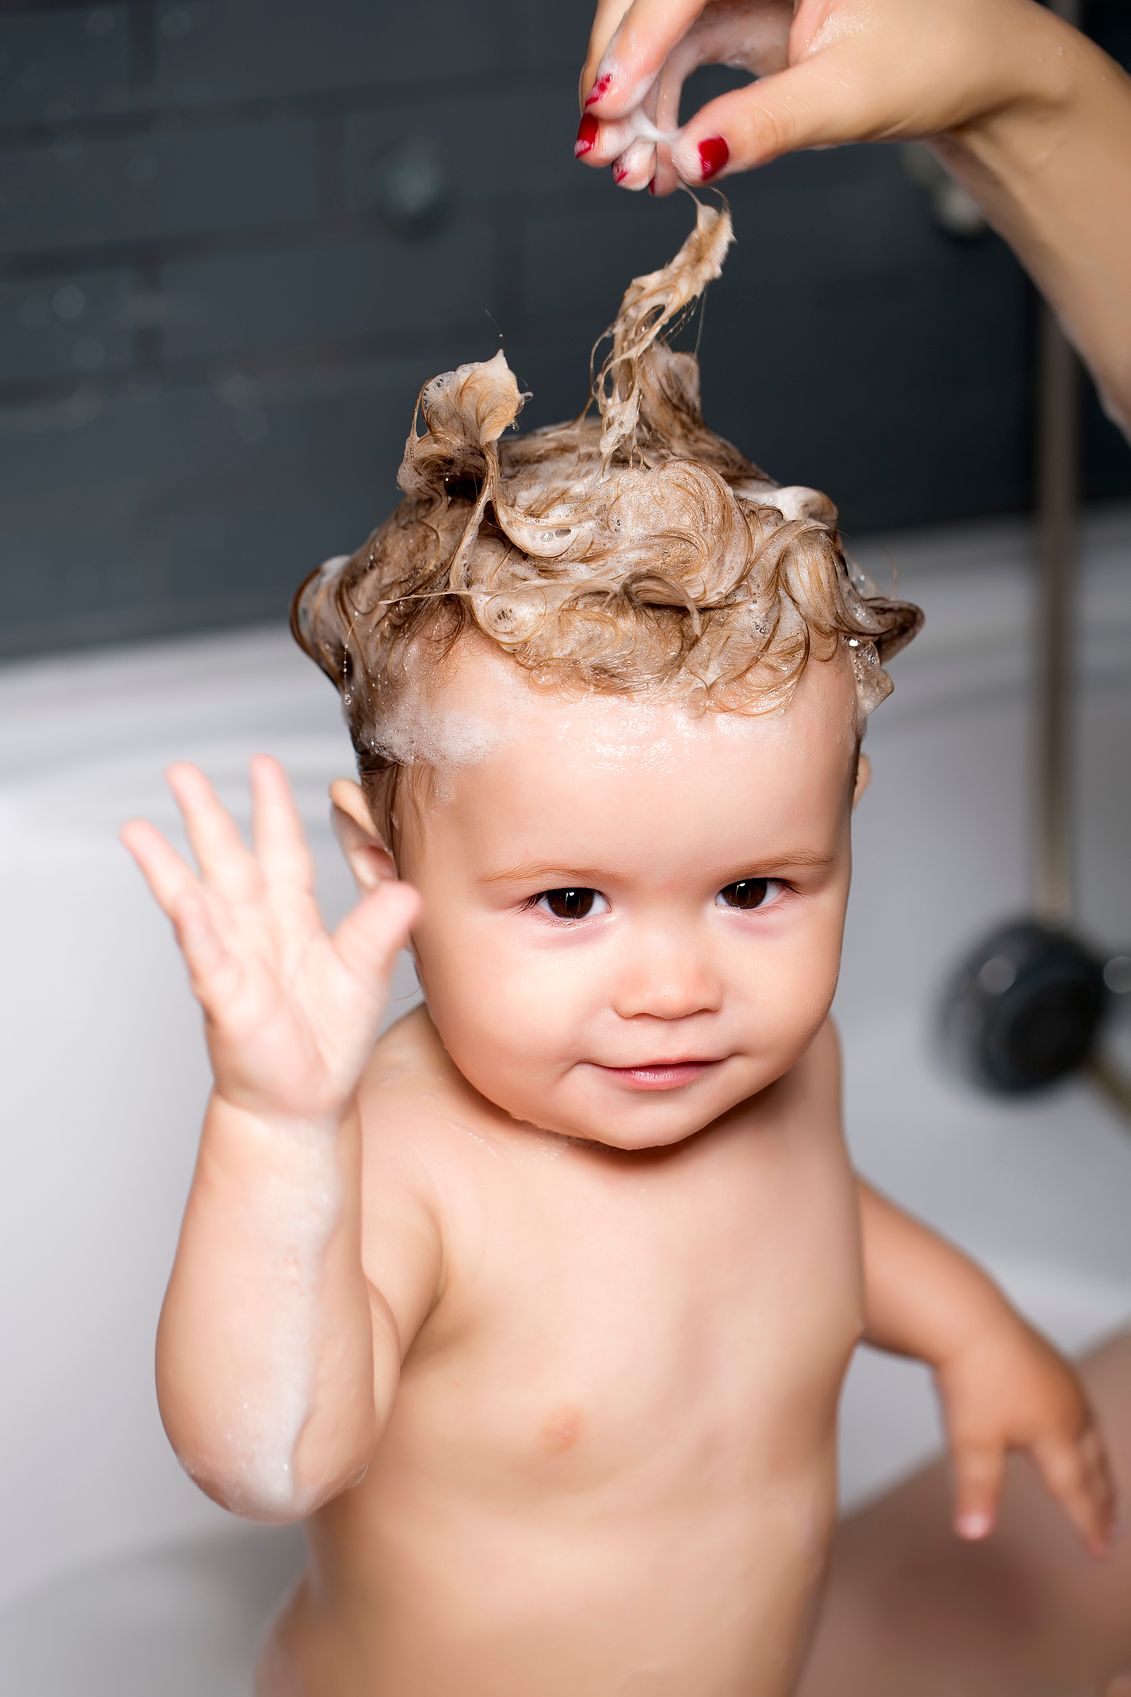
column 863, row 777
column 369, row 859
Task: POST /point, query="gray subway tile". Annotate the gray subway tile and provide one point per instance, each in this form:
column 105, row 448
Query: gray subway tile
column 160, row 509
column 78, row 192
column 373, row 284
column 506, row 149
column 66, row 324
column 212, row 50
column 60, row 64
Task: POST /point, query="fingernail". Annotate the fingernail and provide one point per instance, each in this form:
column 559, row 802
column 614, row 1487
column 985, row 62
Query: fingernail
column 974, row 1524
column 620, row 172
column 599, row 90
column 586, row 135
column 651, row 185
column 713, row 155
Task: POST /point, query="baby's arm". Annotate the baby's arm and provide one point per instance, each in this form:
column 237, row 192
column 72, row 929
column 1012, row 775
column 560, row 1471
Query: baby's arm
column 267, row 1381
column 265, row 1371
column 922, row 1296
column 1001, row 1384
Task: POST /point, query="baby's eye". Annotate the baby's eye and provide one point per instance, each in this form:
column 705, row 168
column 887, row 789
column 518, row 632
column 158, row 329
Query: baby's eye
column 567, row 904
column 751, row 893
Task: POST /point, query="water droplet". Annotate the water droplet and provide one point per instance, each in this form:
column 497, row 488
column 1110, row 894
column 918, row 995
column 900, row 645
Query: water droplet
column 69, row 301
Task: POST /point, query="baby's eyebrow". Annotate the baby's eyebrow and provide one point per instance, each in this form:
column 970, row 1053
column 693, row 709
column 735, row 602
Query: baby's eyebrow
column 574, row 876
column 579, row 876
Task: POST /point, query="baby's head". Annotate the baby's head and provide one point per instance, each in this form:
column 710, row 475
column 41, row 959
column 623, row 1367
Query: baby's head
column 606, row 686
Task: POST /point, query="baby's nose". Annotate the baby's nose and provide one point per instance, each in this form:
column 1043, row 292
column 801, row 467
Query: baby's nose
column 669, row 976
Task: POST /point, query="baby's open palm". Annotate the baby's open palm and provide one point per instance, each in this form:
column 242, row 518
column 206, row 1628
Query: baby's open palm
column 291, row 1013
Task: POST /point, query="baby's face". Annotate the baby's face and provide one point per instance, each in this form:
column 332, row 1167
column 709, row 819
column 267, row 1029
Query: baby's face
column 632, row 919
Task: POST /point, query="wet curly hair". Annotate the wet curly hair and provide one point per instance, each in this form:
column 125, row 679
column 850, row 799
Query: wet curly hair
column 630, row 552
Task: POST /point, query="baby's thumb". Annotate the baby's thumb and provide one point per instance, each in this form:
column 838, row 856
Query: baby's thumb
column 979, row 1474
column 369, row 936
column 812, row 104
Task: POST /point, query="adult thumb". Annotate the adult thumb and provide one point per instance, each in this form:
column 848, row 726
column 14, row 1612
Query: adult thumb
column 815, row 103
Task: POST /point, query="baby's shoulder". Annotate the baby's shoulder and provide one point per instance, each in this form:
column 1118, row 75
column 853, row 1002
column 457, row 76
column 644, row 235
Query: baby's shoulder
column 412, row 1104
column 403, row 1090
column 409, row 1189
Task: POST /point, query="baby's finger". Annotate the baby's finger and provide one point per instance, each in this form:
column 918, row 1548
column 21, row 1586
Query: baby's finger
column 370, row 935
column 979, row 1474
column 224, row 858
column 641, row 42
column 161, row 866
column 214, row 974
column 1081, row 1482
column 812, row 104
column 280, row 842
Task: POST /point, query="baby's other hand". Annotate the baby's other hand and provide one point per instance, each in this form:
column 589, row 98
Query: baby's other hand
column 1008, row 1388
column 291, row 1014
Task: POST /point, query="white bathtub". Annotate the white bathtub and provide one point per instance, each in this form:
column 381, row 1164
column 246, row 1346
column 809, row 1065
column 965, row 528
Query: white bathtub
column 117, row 1577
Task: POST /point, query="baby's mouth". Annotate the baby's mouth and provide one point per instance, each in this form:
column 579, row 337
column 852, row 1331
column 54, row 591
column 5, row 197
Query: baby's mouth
column 661, row 1075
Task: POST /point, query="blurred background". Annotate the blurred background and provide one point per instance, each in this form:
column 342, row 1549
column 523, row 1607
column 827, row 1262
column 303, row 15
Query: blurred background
column 237, row 235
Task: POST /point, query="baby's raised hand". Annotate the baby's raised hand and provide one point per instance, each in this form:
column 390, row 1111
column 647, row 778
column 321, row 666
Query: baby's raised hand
column 1008, row 1388
column 291, row 1013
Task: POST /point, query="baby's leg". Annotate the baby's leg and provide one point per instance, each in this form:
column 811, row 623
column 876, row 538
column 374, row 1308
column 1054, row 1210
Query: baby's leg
column 911, row 1610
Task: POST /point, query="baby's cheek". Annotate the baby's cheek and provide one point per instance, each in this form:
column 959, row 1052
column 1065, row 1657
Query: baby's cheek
column 796, row 991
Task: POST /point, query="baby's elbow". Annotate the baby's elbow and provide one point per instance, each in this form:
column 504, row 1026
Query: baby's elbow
column 268, row 1496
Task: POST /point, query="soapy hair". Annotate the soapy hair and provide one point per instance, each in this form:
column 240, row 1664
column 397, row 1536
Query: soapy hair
column 633, row 552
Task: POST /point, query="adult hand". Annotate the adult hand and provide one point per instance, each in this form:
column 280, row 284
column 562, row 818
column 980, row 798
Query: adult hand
column 830, row 71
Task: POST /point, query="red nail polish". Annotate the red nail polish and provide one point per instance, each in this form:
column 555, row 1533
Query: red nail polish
column 620, row 172
column 651, row 185
column 586, row 135
column 599, row 89
column 713, row 155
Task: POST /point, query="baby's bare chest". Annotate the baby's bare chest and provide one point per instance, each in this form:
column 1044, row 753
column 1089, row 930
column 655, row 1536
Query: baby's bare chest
column 646, row 1329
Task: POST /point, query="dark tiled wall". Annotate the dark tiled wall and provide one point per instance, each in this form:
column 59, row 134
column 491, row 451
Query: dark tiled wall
column 237, row 235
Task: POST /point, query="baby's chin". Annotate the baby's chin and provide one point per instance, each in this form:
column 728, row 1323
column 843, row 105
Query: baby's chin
column 631, row 1121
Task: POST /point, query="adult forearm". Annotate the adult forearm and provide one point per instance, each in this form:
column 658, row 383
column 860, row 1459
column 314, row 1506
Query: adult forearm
column 1052, row 172
column 922, row 1296
column 264, row 1347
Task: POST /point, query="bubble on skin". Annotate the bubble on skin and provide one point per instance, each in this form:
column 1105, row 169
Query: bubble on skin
column 290, row 1219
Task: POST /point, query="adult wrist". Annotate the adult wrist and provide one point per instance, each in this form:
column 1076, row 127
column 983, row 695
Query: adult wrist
column 1034, row 99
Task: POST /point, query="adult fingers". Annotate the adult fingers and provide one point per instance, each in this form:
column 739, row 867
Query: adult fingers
column 636, row 166
column 813, row 104
column 685, row 57
column 631, row 61
column 599, row 143
column 605, row 22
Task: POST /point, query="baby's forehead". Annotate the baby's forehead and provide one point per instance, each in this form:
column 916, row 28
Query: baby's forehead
column 482, row 704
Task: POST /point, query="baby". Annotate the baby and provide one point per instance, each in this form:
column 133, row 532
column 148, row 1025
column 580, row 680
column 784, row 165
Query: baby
column 537, row 1307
